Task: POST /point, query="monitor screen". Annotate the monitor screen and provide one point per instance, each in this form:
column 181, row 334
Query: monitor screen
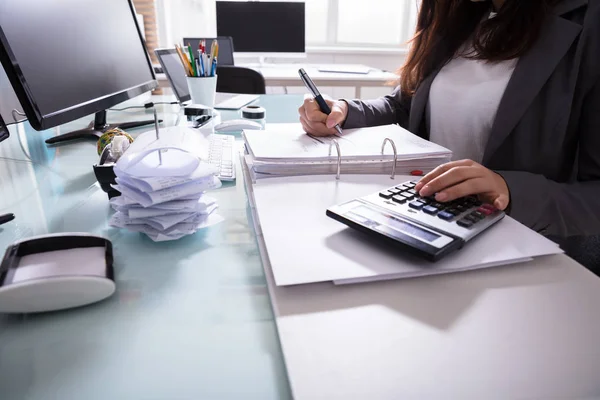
column 263, row 27
column 225, row 47
column 70, row 58
column 173, row 69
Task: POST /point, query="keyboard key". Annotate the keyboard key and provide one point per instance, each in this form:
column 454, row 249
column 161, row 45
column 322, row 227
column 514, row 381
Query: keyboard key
column 453, row 211
column 395, row 191
column 399, row 199
column 412, row 191
column 439, row 206
column 478, row 215
column 485, row 211
column 462, row 208
column 465, row 223
column 407, row 196
column 430, row 210
column 417, row 205
column 410, row 184
column 386, row 195
column 446, row 216
column 472, row 218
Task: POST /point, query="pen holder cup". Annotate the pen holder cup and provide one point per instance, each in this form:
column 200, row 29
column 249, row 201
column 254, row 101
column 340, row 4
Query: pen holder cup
column 203, row 90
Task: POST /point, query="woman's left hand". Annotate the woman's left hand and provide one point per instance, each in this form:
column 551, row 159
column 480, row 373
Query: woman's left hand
column 463, row 178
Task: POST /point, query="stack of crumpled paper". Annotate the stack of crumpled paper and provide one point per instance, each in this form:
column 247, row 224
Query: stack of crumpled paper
column 163, row 189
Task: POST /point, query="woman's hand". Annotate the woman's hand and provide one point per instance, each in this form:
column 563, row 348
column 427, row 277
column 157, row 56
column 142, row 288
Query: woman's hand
column 463, row 178
column 317, row 123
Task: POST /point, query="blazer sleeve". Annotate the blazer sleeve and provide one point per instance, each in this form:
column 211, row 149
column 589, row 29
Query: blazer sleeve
column 391, row 109
column 564, row 209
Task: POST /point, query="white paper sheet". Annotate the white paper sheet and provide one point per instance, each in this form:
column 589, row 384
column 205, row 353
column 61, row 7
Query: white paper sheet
column 181, row 151
column 151, row 184
column 202, row 206
column 173, row 233
column 363, row 143
column 316, row 248
column 173, row 193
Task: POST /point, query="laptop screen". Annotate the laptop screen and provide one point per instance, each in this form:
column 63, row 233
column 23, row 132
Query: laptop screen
column 172, row 67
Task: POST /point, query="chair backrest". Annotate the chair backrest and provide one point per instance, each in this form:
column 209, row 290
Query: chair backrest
column 241, row 80
column 225, row 47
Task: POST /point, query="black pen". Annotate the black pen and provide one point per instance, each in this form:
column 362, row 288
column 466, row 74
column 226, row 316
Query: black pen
column 318, row 98
column 6, row 218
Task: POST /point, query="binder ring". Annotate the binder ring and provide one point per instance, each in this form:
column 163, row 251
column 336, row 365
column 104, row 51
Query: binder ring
column 339, row 157
column 395, row 155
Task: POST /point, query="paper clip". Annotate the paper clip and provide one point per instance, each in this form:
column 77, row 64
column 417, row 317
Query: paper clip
column 395, row 155
column 339, row 157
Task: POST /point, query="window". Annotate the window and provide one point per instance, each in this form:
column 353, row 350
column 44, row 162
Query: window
column 360, row 23
column 329, row 23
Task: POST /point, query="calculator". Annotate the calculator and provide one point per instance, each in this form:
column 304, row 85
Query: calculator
column 420, row 225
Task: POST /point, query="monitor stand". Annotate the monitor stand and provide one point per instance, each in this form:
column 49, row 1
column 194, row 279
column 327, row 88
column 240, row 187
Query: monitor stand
column 96, row 129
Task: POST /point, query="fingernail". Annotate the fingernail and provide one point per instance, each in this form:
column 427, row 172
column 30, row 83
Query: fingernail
column 424, row 191
column 441, row 196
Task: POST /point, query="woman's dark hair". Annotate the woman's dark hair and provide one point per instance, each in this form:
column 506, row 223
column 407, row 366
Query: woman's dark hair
column 443, row 26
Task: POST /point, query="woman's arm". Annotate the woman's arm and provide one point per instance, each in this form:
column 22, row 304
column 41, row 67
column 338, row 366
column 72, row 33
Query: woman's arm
column 564, row 209
column 549, row 207
column 391, row 109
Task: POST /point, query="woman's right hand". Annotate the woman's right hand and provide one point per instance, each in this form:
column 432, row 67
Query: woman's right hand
column 317, row 123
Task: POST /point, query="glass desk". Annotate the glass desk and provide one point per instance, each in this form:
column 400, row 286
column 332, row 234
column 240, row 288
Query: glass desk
column 191, row 319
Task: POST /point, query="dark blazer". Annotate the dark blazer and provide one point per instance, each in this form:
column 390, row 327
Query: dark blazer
column 545, row 140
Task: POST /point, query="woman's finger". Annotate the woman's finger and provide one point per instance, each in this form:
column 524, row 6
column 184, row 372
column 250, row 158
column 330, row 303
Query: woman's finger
column 450, row 178
column 316, row 128
column 440, row 170
column 465, row 188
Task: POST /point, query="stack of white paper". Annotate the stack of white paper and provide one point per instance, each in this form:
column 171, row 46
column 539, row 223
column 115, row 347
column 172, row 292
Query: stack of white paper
column 286, row 150
column 163, row 190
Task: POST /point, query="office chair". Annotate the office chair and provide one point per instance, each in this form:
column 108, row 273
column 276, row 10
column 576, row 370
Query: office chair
column 240, row 80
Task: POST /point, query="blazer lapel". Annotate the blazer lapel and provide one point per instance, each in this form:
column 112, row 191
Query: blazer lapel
column 419, row 101
column 532, row 72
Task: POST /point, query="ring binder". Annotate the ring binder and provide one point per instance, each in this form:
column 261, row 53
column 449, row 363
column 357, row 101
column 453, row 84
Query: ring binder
column 339, row 157
column 395, row 155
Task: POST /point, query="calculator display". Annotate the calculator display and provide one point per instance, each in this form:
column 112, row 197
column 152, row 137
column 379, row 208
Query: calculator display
column 373, row 219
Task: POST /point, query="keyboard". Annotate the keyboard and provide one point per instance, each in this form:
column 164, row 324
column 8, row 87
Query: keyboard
column 231, row 101
column 422, row 225
column 222, row 154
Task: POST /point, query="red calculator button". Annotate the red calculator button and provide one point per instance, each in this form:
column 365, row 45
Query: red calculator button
column 489, row 207
column 485, row 211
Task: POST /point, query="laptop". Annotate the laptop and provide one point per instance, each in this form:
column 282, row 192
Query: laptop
column 171, row 65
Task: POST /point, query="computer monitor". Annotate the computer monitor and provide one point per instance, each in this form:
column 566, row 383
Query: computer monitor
column 225, row 47
column 173, row 69
column 268, row 29
column 70, row 58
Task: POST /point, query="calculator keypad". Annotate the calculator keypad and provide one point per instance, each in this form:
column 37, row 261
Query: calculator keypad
column 466, row 212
